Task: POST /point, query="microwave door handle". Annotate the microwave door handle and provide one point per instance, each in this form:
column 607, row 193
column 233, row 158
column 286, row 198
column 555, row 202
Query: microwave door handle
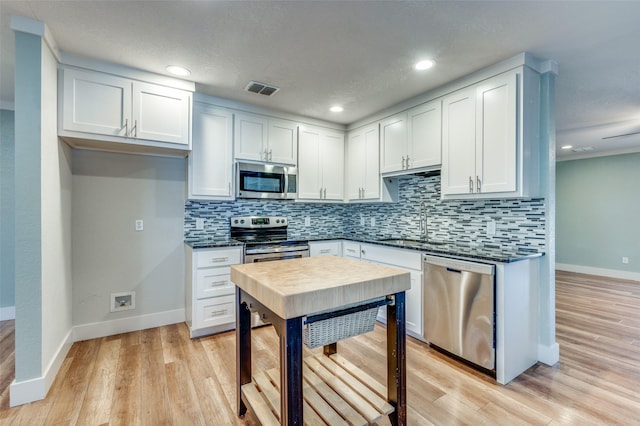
column 285, row 190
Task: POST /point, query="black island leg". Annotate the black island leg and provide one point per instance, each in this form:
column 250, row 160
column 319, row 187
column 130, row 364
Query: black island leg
column 291, row 372
column 396, row 360
column 243, row 349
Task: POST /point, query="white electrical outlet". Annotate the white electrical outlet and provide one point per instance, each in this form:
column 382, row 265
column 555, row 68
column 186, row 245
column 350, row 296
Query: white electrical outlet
column 625, row 259
column 373, row 221
column 139, row 225
column 361, row 220
column 307, row 221
column 491, row 228
column 122, row 301
column 199, row 223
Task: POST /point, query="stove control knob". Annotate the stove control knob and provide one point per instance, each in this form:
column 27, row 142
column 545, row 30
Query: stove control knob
column 241, row 220
column 235, row 221
column 277, row 220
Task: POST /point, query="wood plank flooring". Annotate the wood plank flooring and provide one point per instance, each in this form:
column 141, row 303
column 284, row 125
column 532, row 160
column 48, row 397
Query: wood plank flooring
column 161, row 377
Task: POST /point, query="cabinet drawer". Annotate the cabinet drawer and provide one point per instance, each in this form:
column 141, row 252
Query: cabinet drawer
column 215, row 311
column 213, row 282
column 410, row 259
column 351, row 249
column 223, row 257
column 328, row 248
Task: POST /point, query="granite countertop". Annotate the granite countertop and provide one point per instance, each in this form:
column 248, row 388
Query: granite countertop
column 486, row 252
column 308, row 285
column 213, row 243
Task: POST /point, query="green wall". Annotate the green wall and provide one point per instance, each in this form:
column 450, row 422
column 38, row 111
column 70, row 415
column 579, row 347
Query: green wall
column 7, row 216
column 598, row 212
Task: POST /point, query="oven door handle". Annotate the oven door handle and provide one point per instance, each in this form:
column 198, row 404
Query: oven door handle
column 283, row 249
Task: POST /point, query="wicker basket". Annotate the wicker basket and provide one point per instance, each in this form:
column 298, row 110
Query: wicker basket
column 331, row 330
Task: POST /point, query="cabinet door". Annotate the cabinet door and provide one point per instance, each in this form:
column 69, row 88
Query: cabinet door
column 283, row 142
column 210, row 159
column 371, row 180
column 332, row 165
column 424, row 134
column 250, row 137
column 459, row 142
column 356, row 167
column 96, row 103
column 161, row 113
column 309, row 174
column 393, row 143
column 497, row 138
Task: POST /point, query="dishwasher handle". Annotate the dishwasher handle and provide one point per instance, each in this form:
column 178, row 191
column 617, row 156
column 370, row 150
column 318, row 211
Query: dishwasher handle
column 456, row 265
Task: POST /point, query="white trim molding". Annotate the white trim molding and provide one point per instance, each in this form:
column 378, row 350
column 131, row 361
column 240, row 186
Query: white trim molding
column 36, row 389
column 7, row 313
column 549, row 355
column 589, row 270
column 127, row 324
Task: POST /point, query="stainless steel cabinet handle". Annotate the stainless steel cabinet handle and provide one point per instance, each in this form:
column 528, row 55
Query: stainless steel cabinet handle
column 408, row 166
column 403, row 163
column 325, row 194
column 219, row 259
column 126, row 127
column 218, row 313
column 470, row 184
column 135, row 129
column 218, row 283
column 229, row 188
column 363, row 251
column 478, row 184
column 325, row 251
column 270, row 155
column 321, row 193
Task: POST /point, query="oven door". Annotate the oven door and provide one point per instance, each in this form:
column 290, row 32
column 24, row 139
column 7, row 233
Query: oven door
column 268, row 257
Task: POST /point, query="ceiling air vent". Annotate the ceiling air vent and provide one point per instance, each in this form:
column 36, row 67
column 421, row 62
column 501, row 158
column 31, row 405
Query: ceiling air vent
column 261, row 88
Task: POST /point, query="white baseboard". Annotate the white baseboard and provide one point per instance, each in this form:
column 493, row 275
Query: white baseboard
column 612, row 273
column 125, row 325
column 36, row 389
column 549, row 354
column 7, row 313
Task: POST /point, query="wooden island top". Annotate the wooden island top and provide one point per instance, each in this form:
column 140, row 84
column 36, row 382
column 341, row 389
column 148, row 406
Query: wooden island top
column 293, row 288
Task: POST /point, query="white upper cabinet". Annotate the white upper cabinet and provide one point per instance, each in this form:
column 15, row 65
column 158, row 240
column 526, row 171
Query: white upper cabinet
column 424, row 135
column 393, row 143
column 161, row 113
column 264, row 139
column 109, row 108
column 363, row 165
column 320, row 164
column 210, row 165
column 484, row 140
column 411, row 140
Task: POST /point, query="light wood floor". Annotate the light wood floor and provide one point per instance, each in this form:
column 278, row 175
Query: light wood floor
column 160, row 376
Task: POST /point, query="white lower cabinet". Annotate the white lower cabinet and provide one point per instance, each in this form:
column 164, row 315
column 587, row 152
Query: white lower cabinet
column 408, row 260
column 210, row 294
column 325, row 248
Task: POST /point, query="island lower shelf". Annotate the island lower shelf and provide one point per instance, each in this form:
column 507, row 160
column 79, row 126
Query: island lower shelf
column 336, row 392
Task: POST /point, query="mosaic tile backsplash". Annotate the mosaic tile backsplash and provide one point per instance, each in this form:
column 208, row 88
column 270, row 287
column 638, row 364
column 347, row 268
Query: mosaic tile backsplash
column 520, row 224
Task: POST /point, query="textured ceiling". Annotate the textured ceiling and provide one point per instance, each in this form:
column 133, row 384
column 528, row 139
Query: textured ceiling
column 360, row 53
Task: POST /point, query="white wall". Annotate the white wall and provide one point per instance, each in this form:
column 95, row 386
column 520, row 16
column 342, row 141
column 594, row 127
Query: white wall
column 111, row 191
column 7, row 216
column 56, row 224
column 42, row 218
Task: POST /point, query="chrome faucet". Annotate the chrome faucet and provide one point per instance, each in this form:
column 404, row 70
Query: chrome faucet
column 424, row 235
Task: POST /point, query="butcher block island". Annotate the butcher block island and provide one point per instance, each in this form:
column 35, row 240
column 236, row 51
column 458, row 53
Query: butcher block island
column 318, row 301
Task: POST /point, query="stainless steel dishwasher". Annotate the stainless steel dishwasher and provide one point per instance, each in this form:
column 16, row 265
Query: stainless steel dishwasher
column 459, row 308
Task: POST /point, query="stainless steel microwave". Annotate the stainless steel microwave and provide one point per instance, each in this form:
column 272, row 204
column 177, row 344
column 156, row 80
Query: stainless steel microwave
column 266, row 181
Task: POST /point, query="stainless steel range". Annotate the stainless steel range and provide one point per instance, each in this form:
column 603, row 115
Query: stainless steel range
column 265, row 239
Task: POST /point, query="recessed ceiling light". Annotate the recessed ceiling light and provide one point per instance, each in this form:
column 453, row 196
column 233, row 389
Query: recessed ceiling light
column 178, row 70
column 425, row 64
column 567, row 146
column 336, row 108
